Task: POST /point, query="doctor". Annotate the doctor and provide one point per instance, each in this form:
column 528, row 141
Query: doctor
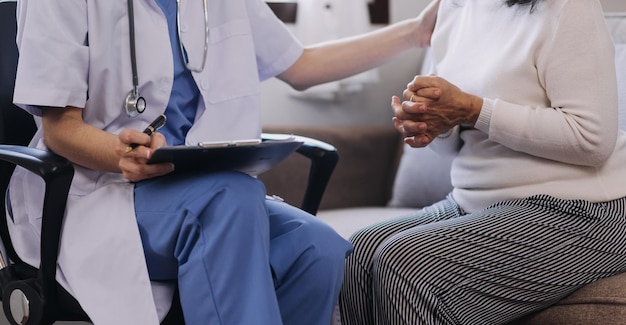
column 96, row 73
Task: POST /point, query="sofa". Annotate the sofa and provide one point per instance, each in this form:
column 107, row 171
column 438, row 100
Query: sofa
column 378, row 177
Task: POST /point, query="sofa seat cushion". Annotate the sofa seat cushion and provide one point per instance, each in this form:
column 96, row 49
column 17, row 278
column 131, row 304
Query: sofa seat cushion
column 348, row 220
column 601, row 302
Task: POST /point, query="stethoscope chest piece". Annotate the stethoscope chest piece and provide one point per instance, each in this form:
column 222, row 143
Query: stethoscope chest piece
column 134, row 104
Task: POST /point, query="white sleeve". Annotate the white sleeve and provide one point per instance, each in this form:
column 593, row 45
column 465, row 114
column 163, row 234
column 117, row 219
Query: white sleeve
column 54, row 57
column 276, row 48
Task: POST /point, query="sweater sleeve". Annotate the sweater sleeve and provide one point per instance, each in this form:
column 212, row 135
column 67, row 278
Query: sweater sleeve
column 577, row 69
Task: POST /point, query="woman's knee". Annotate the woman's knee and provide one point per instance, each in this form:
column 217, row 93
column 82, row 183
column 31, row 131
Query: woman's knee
column 366, row 242
column 404, row 257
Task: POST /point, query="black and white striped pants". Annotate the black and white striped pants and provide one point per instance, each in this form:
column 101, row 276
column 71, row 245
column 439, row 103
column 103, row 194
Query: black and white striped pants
column 444, row 266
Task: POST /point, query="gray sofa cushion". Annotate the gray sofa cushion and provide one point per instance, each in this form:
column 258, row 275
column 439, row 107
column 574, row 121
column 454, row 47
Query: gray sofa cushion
column 423, row 178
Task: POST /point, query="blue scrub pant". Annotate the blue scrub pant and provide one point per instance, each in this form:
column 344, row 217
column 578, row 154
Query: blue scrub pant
column 238, row 257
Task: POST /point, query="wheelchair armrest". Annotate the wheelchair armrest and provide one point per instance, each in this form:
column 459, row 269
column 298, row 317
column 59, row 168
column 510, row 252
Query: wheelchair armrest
column 324, row 158
column 57, row 173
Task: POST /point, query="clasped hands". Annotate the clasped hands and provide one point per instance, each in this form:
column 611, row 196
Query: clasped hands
column 432, row 107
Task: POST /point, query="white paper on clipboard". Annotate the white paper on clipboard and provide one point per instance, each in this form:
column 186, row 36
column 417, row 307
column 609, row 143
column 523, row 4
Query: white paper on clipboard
column 245, row 142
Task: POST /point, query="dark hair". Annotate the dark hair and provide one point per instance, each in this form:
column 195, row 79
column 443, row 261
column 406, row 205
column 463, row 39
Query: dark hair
column 532, row 3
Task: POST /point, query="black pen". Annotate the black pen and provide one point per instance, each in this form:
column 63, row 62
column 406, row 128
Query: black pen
column 153, row 127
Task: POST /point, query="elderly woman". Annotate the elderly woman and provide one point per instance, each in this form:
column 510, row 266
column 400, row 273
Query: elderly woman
column 524, row 93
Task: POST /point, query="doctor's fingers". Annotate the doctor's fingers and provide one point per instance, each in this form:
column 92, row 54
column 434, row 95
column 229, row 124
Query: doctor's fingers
column 139, row 148
column 157, row 140
column 137, row 170
column 129, row 136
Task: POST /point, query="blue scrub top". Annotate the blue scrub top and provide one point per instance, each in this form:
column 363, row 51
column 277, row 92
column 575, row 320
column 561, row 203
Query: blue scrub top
column 183, row 103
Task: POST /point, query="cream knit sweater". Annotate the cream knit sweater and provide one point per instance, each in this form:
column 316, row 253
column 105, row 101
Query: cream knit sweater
column 549, row 120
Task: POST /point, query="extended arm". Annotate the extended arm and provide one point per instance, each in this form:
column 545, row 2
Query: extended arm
column 338, row 59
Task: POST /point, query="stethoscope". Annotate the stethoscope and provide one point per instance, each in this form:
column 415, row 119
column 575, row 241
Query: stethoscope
column 134, row 104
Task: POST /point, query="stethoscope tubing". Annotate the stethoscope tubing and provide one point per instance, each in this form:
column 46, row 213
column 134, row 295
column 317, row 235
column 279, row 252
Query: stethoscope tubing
column 133, row 50
column 134, row 103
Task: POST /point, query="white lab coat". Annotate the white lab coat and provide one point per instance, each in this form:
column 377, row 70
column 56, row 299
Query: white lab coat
column 76, row 53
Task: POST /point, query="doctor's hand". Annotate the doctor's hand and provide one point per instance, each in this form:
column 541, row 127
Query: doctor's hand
column 133, row 162
column 426, row 24
column 433, row 107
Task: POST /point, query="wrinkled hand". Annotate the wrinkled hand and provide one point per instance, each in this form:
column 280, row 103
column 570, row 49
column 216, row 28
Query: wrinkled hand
column 133, row 162
column 433, row 106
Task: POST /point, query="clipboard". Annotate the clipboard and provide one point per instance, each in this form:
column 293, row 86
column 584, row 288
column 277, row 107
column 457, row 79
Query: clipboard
column 251, row 157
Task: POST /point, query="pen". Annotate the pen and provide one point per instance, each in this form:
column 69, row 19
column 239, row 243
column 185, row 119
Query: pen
column 153, row 127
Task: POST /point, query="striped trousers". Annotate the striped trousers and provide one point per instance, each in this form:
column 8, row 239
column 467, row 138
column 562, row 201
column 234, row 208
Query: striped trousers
column 444, row 266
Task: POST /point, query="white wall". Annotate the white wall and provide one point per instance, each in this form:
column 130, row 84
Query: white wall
column 370, row 107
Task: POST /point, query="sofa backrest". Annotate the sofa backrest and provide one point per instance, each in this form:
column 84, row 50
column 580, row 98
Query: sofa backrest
column 368, row 159
column 423, row 175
